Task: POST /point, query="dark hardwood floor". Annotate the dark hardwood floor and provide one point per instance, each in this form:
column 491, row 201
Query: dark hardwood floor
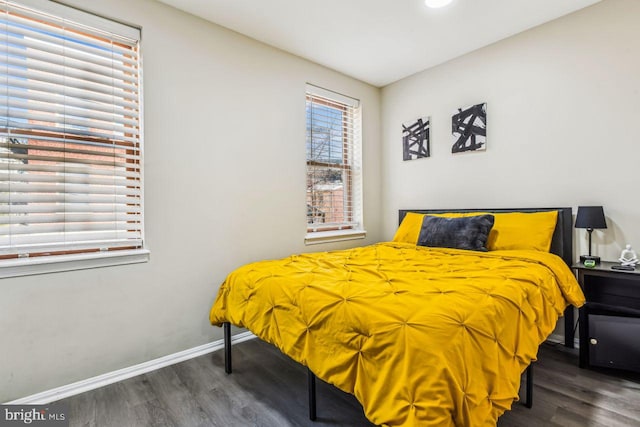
column 268, row 389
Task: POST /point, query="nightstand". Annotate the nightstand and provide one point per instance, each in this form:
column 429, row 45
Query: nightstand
column 610, row 319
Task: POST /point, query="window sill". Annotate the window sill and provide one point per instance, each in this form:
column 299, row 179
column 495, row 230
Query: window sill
column 59, row 263
column 333, row 236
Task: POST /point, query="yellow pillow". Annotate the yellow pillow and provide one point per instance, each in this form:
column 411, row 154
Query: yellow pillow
column 409, row 229
column 519, row 230
column 512, row 230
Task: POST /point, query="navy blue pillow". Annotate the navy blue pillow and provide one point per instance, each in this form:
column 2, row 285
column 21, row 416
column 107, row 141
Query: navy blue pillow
column 469, row 233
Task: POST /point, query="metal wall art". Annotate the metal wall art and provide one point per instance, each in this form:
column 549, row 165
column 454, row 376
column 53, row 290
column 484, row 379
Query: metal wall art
column 469, row 128
column 415, row 139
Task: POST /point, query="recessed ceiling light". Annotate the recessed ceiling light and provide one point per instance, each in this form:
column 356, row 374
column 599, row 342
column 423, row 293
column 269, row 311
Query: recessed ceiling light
column 437, row 3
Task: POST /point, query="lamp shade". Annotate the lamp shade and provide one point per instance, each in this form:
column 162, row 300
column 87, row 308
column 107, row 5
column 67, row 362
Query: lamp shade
column 590, row 217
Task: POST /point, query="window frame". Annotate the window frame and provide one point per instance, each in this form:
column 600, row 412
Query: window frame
column 49, row 261
column 352, row 227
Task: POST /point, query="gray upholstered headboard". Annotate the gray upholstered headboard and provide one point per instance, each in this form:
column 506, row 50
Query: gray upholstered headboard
column 562, row 242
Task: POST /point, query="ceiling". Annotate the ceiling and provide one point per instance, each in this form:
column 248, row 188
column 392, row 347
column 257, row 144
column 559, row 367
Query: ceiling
column 378, row 41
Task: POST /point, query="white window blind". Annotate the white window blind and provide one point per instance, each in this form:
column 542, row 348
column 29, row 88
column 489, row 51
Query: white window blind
column 334, row 175
column 70, row 133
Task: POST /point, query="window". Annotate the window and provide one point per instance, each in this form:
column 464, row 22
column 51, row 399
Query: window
column 334, row 181
column 70, row 132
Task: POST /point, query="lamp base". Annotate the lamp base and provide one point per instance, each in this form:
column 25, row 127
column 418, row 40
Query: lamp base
column 595, row 259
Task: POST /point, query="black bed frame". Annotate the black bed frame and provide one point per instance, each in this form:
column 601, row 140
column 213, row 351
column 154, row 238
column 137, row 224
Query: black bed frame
column 561, row 245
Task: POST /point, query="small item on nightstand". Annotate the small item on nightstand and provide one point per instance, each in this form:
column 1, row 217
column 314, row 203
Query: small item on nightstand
column 628, row 257
column 589, row 263
column 623, row 267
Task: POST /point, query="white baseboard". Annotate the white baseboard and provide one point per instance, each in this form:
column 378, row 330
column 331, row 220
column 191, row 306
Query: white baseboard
column 93, row 383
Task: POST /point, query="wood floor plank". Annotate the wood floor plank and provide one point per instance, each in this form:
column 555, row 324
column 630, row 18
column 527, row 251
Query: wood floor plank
column 200, row 374
column 110, row 410
column 231, row 406
column 175, row 396
column 152, row 413
column 267, row 389
column 83, row 410
column 137, row 390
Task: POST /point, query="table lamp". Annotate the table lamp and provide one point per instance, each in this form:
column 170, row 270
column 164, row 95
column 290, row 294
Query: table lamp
column 591, row 218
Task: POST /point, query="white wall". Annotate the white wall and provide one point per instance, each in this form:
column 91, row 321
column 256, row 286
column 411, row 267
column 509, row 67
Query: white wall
column 563, row 114
column 224, row 185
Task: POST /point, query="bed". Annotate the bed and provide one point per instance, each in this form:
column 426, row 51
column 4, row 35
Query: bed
column 422, row 336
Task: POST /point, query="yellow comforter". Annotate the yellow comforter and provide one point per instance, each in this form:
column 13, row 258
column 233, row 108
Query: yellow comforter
column 421, row 336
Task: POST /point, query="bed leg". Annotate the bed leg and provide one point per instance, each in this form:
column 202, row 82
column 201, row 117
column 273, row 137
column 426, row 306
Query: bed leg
column 529, row 398
column 227, row 347
column 312, row 395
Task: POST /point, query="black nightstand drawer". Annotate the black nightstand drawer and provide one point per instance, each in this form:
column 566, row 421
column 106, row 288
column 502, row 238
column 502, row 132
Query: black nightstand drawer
column 613, row 342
